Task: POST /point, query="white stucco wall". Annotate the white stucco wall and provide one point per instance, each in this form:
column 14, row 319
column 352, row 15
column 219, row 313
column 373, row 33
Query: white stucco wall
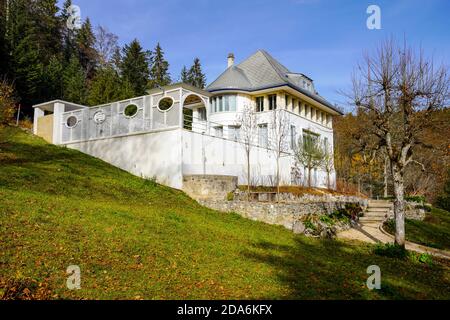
column 203, row 154
column 301, row 123
column 148, row 155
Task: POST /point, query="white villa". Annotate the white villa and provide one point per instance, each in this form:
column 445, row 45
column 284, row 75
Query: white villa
column 179, row 130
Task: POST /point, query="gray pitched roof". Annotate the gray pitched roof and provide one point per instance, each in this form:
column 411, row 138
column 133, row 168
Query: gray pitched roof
column 260, row 71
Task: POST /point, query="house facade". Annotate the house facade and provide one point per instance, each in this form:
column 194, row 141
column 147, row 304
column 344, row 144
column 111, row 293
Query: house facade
column 179, row 130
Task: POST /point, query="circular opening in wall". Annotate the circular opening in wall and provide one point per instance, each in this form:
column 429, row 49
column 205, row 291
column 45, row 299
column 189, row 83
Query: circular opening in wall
column 99, row 117
column 165, row 104
column 71, row 121
column 130, row 110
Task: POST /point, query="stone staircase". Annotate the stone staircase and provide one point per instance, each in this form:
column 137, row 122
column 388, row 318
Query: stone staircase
column 377, row 211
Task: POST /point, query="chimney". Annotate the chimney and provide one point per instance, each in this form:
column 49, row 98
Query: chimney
column 230, row 59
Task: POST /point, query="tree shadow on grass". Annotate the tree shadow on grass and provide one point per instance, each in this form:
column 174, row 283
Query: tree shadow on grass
column 328, row 269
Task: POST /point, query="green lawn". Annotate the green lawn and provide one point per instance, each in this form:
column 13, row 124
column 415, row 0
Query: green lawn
column 134, row 239
column 433, row 231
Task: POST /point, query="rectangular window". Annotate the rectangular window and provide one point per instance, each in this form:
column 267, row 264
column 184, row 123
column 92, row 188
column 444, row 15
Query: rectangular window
column 213, row 105
column 263, row 135
column 202, row 114
column 293, row 138
column 309, row 137
column 232, row 103
column 219, row 132
column 225, row 103
column 234, row 132
column 259, row 104
column 272, row 102
column 286, row 101
column 220, row 104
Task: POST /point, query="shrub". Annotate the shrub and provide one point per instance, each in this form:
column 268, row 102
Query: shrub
column 230, row 196
column 443, row 201
column 389, row 225
column 327, row 219
column 390, row 250
column 417, row 199
column 309, row 225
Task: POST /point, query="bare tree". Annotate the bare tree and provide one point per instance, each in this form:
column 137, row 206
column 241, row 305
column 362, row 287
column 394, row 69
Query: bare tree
column 328, row 162
column 248, row 131
column 398, row 89
column 310, row 154
column 106, row 44
column 279, row 131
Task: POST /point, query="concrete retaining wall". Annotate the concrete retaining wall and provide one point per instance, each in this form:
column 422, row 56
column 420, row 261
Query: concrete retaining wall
column 211, row 187
column 149, row 155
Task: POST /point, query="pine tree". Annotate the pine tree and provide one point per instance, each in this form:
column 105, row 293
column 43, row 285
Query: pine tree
column 4, row 55
column 74, row 82
column 85, row 40
column 26, row 67
column 134, row 67
column 48, row 28
column 69, row 47
column 53, row 74
column 195, row 75
column 107, row 87
column 185, row 75
column 159, row 73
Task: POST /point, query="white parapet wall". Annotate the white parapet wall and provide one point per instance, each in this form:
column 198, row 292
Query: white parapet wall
column 154, row 154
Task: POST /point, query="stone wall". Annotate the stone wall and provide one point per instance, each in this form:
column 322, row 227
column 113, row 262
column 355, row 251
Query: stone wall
column 212, row 187
column 413, row 211
column 287, row 214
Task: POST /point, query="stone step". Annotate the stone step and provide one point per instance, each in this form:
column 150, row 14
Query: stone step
column 379, row 201
column 373, row 209
column 380, row 205
column 375, row 214
column 371, row 219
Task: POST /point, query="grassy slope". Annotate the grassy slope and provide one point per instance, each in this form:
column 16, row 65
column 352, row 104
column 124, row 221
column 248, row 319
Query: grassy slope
column 133, row 238
column 434, row 231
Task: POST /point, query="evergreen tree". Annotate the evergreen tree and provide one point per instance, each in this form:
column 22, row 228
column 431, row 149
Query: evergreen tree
column 195, row 75
column 69, row 47
column 48, row 28
column 107, row 87
column 116, row 60
column 26, row 67
column 74, row 82
column 185, row 75
column 4, row 55
column 52, row 77
column 159, row 73
column 85, row 40
column 134, row 67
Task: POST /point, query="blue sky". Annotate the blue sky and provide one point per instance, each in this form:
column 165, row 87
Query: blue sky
column 322, row 39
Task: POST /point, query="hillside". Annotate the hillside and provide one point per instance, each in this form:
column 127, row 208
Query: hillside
column 135, row 239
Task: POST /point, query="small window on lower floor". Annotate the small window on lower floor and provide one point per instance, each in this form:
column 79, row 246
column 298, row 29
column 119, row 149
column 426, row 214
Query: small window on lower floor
column 234, row 132
column 263, row 135
column 218, row 132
